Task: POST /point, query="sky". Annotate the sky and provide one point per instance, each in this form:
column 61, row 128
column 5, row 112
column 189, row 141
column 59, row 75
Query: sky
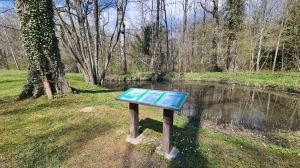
column 6, row 3
column 133, row 18
column 174, row 13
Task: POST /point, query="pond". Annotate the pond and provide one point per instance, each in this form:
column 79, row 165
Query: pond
column 230, row 104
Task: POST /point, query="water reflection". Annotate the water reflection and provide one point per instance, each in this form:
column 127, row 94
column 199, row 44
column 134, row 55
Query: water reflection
column 224, row 104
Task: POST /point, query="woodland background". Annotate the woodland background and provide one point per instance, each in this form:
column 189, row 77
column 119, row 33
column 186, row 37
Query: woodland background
column 121, row 36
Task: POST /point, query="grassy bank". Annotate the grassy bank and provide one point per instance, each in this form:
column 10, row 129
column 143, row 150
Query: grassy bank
column 281, row 81
column 59, row 133
column 289, row 82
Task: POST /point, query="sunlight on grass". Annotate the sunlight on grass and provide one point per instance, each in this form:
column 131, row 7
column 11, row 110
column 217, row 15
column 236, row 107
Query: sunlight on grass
column 53, row 133
column 11, row 83
column 286, row 81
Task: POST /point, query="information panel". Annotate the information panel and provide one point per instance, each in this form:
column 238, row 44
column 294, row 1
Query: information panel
column 159, row 98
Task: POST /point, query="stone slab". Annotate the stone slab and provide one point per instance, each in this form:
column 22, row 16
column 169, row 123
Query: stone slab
column 136, row 140
column 174, row 154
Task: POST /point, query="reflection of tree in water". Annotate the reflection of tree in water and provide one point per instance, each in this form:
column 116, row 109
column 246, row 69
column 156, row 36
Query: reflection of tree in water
column 254, row 121
column 231, row 105
column 248, row 115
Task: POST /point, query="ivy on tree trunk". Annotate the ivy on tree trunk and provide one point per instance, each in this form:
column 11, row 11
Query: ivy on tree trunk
column 45, row 69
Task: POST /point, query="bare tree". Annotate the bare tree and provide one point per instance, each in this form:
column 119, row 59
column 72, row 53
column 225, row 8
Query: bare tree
column 194, row 29
column 263, row 14
column 96, row 40
column 156, row 36
column 182, row 54
column 10, row 46
column 121, row 8
column 167, row 35
column 83, row 40
column 78, row 39
column 282, row 27
column 262, row 21
column 3, row 59
column 122, row 42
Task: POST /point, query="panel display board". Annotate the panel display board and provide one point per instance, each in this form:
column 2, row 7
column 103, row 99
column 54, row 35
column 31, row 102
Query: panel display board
column 158, row 98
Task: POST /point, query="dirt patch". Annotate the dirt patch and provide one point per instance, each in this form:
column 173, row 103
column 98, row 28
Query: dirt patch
column 121, row 131
column 87, row 110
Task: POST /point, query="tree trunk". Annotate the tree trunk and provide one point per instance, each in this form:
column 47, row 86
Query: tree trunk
column 117, row 31
column 276, row 51
column 181, row 56
column 3, row 59
column 143, row 14
column 282, row 58
column 77, row 36
column 152, row 38
column 157, row 39
column 251, row 67
column 193, row 35
column 96, row 41
column 123, row 50
column 45, row 69
column 231, row 60
column 84, row 42
column 262, row 24
column 283, row 26
column 167, row 37
column 233, row 20
column 259, row 50
column 215, row 40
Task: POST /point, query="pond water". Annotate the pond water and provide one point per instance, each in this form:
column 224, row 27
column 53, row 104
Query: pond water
column 229, row 104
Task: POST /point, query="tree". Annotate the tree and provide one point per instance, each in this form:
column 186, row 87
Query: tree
column 96, row 40
column 10, row 36
column 76, row 36
column 45, row 69
column 216, row 16
column 157, row 54
column 167, row 34
column 262, row 20
column 182, row 46
column 291, row 37
column 285, row 16
column 122, row 44
column 3, row 59
column 233, row 21
column 12, row 51
column 84, row 39
column 142, row 48
column 121, row 8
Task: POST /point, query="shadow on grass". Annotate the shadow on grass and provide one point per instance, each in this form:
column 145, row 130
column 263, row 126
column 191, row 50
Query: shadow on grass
column 185, row 139
column 36, row 106
column 43, row 150
column 78, row 91
column 134, row 157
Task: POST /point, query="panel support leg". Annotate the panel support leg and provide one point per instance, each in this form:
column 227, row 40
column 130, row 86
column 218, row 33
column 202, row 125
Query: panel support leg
column 167, row 131
column 134, row 120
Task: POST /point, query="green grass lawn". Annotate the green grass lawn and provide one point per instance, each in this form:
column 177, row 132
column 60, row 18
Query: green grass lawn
column 280, row 81
column 54, row 133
